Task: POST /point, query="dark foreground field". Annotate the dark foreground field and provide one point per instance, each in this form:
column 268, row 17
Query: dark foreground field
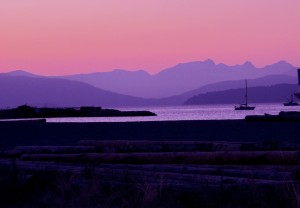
column 30, row 133
column 150, row 164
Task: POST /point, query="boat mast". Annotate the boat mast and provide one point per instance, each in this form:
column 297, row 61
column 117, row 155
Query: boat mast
column 246, row 95
column 298, row 76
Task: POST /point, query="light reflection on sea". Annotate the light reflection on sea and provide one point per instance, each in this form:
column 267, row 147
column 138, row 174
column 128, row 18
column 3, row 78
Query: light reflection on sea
column 197, row 112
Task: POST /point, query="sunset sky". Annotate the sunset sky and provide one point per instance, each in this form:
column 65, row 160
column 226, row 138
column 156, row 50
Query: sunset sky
column 55, row 37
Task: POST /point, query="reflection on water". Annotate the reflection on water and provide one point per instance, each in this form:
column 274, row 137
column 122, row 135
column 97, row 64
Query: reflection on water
column 199, row 112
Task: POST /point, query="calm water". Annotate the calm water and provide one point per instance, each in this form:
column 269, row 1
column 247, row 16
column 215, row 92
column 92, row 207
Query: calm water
column 200, row 112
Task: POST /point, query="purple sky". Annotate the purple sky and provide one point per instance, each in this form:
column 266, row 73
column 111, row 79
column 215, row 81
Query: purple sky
column 55, row 37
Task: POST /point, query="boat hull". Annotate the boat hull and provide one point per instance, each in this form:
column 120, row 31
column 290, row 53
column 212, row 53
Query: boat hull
column 291, row 104
column 244, row 108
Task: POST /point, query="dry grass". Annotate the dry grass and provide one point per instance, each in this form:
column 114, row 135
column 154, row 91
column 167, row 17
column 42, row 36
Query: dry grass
column 80, row 176
column 90, row 189
column 292, row 191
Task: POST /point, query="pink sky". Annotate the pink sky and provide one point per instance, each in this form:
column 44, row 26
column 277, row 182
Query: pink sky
column 54, row 37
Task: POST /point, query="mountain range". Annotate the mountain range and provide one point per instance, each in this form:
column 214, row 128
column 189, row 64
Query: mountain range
column 178, row 79
column 21, row 87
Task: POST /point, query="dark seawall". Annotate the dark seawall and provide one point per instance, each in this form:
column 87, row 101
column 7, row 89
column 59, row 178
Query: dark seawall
column 29, row 133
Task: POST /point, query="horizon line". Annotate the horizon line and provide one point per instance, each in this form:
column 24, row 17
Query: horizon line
column 147, row 71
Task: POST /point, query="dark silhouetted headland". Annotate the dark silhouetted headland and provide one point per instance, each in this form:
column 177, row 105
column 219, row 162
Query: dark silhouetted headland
column 25, row 111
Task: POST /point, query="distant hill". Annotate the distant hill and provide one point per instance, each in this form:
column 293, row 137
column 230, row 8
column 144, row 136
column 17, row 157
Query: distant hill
column 21, row 73
column 53, row 92
column 226, row 85
column 267, row 94
column 178, row 79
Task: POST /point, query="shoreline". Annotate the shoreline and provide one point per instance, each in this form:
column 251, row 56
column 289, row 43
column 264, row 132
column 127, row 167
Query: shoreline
column 39, row 133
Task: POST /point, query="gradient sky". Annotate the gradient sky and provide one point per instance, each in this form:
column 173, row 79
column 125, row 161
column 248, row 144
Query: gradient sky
column 54, row 37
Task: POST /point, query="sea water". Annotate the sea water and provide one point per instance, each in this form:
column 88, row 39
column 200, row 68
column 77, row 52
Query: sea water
column 194, row 112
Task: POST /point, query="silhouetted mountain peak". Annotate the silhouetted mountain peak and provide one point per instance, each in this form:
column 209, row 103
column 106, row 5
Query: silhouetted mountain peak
column 209, row 61
column 248, row 64
column 120, row 71
column 124, row 71
column 281, row 63
column 191, row 65
column 22, row 73
column 141, row 72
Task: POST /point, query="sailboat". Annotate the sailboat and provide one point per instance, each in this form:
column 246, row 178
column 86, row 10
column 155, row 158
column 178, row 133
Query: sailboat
column 297, row 94
column 291, row 102
column 245, row 105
